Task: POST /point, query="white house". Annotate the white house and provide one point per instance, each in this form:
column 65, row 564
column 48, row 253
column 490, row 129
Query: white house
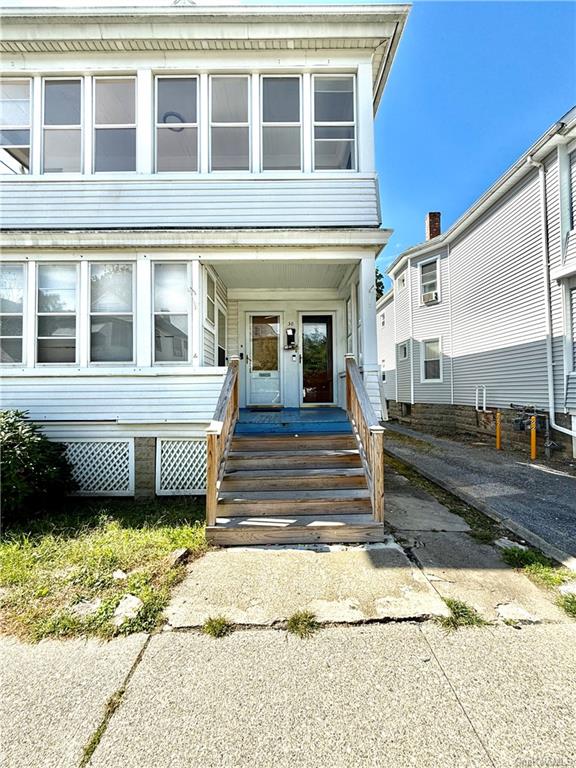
column 183, row 185
column 484, row 316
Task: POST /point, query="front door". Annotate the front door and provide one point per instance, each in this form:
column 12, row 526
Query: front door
column 317, row 359
column 264, row 360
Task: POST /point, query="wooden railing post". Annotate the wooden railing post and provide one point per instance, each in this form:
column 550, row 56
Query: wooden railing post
column 212, row 465
column 377, row 438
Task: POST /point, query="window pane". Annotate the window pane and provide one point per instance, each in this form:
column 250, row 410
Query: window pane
column 432, row 369
column 62, row 102
column 10, row 325
column 334, row 155
column 281, row 100
column 176, row 100
column 14, row 161
column 14, row 103
column 56, row 288
column 110, row 339
column 10, row 350
column 210, row 310
column 56, row 350
column 431, row 350
column 16, row 138
column 265, row 343
column 334, row 132
column 115, row 102
column 230, row 150
column 429, row 270
column 115, row 149
column 111, row 288
column 64, row 325
column 170, row 288
column 281, row 148
column 11, row 287
column 210, row 286
column 171, row 338
column 177, row 149
column 62, row 151
column 229, row 100
column 333, row 99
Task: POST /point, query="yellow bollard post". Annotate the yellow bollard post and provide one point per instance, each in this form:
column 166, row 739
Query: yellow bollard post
column 498, row 431
column 532, row 437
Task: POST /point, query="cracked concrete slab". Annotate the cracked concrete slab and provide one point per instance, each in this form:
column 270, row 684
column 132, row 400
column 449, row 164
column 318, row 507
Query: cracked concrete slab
column 339, row 584
column 409, row 508
column 54, row 695
column 464, row 569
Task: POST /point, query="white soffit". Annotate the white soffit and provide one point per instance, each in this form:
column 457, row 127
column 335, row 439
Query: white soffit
column 278, row 275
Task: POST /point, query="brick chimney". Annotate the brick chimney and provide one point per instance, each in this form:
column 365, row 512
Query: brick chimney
column 432, row 224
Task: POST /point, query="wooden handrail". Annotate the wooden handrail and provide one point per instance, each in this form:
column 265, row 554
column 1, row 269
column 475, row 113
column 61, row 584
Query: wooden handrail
column 369, row 433
column 219, row 436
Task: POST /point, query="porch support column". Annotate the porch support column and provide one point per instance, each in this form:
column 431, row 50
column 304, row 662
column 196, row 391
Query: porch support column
column 369, row 362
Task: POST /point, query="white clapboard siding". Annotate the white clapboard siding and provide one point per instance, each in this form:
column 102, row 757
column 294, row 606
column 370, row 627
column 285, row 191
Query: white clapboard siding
column 571, row 387
column 387, row 348
column 349, row 201
column 233, row 327
column 209, row 347
column 403, row 373
column 573, row 187
column 120, row 399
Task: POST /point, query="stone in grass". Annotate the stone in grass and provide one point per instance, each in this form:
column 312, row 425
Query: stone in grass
column 86, row 608
column 178, row 557
column 569, row 588
column 119, row 575
column 127, row 608
column 505, row 543
column 513, row 612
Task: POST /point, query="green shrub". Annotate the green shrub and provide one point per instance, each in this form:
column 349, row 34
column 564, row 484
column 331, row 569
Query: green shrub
column 35, row 472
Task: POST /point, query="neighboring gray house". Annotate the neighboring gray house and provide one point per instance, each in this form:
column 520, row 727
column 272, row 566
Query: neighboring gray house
column 484, row 315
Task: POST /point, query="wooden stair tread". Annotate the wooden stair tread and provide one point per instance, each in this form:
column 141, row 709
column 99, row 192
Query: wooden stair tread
column 312, row 436
column 284, row 521
column 257, row 474
column 295, row 495
column 246, row 531
column 289, row 453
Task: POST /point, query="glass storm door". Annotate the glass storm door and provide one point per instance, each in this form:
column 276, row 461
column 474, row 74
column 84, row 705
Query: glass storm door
column 264, row 360
column 317, row 359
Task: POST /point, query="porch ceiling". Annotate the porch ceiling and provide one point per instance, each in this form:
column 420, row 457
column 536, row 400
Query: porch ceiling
column 277, row 275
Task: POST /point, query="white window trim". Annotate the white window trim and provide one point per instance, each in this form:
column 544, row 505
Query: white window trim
column 76, row 313
column 263, row 125
column 197, row 124
column 84, row 169
column 247, row 124
column 425, row 263
column 23, row 314
column 400, row 281
column 209, row 273
column 346, row 124
column 108, row 126
column 189, row 312
column 132, row 314
column 220, row 308
column 23, row 127
column 423, row 379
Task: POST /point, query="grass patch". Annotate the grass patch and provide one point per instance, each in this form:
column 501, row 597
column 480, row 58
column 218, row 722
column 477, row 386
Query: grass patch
column 482, row 528
column 303, row 624
column 461, row 615
column 217, row 626
column 568, row 604
column 537, row 566
column 56, row 563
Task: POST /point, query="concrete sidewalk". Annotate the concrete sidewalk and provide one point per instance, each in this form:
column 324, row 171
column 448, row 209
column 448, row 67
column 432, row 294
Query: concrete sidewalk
column 532, row 500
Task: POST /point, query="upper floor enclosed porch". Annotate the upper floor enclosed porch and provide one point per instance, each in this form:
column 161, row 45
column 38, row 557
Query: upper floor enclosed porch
column 228, row 117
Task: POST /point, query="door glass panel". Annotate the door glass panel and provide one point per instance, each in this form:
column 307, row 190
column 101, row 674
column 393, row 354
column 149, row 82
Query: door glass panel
column 265, row 337
column 317, row 361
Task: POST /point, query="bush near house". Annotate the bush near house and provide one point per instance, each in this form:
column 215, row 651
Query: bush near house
column 35, row 472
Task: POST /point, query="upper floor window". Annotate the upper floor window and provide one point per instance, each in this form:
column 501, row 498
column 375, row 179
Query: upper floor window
column 176, row 123
column 62, row 128
column 334, row 123
column 11, row 312
column 111, row 313
column 115, row 124
column 171, row 313
column 230, row 123
column 15, row 126
column 429, row 282
column 56, row 307
column 281, row 124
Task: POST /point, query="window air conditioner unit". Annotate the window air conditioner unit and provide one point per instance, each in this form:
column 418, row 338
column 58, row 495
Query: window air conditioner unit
column 430, row 297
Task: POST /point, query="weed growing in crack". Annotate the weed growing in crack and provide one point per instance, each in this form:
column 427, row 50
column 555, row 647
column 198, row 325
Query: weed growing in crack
column 217, row 626
column 461, row 615
column 303, row 624
column 111, row 707
column 568, row 604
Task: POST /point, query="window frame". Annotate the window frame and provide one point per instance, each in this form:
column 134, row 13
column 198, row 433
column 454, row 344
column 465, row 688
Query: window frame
column 29, row 127
column 341, row 124
column 427, row 262
column 248, row 124
column 401, row 280
column 221, row 309
column 423, row 360
column 111, row 126
column 23, row 314
column 210, row 276
column 81, row 127
column 299, row 124
column 76, row 313
column 91, row 314
column 189, row 312
column 158, row 126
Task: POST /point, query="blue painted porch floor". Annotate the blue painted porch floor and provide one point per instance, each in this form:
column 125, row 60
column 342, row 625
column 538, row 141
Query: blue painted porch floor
column 290, row 421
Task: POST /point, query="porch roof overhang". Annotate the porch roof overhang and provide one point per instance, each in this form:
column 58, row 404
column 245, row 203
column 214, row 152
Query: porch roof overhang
column 372, row 28
column 265, row 240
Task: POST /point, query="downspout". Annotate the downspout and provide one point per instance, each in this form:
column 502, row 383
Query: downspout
column 547, row 298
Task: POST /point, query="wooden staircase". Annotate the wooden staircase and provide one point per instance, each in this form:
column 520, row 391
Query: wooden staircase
column 288, row 488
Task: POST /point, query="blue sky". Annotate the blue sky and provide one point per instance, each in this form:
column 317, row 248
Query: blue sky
column 472, row 86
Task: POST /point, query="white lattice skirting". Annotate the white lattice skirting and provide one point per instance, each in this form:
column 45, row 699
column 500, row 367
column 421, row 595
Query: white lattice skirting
column 180, row 466
column 102, row 467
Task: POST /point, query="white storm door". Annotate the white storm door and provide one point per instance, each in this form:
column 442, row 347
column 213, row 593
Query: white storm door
column 264, row 383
